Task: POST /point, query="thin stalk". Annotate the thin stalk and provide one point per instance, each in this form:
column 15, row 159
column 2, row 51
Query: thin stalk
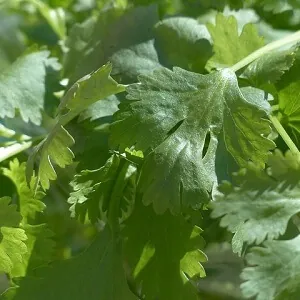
column 292, row 38
column 284, row 135
column 13, row 149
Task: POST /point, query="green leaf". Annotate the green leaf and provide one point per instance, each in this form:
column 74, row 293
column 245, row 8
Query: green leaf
column 94, row 190
column 176, row 118
column 12, row 243
column 273, row 271
column 29, row 200
column 55, row 148
column 288, row 89
column 190, row 39
column 11, row 41
column 99, row 276
column 230, row 46
column 269, row 68
column 22, row 87
column 167, row 246
column 262, row 203
column 40, row 245
column 259, row 216
column 93, row 43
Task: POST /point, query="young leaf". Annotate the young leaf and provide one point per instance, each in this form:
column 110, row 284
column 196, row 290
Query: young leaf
column 30, row 202
column 55, row 148
column 12, row 243
column 175, row 118
column 99, row 276
column 274, row 270
column 228, row 45
column 167, row 246
column 22, row 87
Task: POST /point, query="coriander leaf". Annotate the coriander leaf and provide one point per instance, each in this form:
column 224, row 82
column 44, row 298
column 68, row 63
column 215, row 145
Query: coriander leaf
column 228, row 45
column 29, row 200
column 163, row 252
column 254, row 215
column 95, row 190
column 101, row 276
column 55, row 148
column 190, row 39
column 22, row 87
column 12, row 242
column 274, row 270
column 175, row 118
column 109, row 40
column 269, row 68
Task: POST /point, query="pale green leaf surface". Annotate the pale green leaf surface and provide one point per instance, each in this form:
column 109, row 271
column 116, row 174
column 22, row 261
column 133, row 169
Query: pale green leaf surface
column 12, row 243
column 163, row 251
column 55, row 149
column 230, row 47
column 22, row 87
column 99, row 276
column 170, row 115
column 274, row 269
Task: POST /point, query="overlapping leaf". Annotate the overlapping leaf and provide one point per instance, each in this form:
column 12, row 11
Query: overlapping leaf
column 273, row 271
column 22, row 87
column 29, row 201
column 228, row 45
column 55, row 149
column 163, row 252
column 99, row 276
column 183, row 42
column 262, row 205
column 172, row 116
column 38, row 243
column 94, row 190
column 12, row 245
column 269, row 68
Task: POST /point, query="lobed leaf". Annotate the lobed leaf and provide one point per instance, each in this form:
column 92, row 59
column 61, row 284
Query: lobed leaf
column 176, row 118
column 273, row 271
column 55, row 148
column 22, row 87
column 230, row 47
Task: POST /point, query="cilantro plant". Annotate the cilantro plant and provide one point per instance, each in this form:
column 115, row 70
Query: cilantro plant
column 149, row 149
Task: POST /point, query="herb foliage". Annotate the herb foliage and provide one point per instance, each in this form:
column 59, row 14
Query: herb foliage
column 140, row 138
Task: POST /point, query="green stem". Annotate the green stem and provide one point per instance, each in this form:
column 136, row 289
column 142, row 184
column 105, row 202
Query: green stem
column 7, row 152
column 284, row 135
column 292, row 38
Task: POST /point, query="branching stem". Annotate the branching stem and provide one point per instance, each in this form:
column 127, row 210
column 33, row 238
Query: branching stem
column 290, row 39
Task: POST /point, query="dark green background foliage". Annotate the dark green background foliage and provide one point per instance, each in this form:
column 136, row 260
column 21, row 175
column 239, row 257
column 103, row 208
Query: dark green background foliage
column 149, row 149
